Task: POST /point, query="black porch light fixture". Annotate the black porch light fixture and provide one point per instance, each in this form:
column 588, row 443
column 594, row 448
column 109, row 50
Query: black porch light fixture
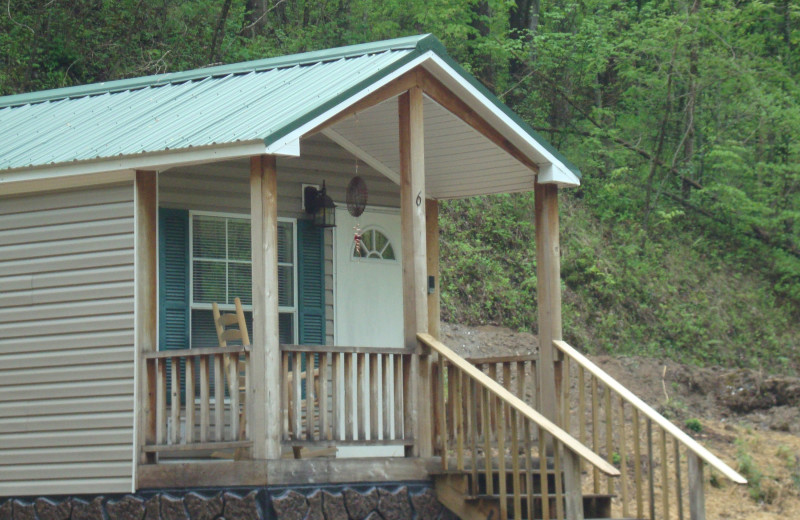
column 320, row 205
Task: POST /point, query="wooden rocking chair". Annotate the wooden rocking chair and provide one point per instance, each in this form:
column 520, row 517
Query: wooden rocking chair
column 232, row 327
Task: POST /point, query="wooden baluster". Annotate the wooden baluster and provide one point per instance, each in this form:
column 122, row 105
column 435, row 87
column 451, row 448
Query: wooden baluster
column 374, row 397
column 386, row 375
column 189, row 400
column 526, row 431
column 623, row 452
column 479, row 426
column 205, row 399
column 297, row 383
column 348, row 395
column 637, row 467
column 581, row 409
column 459, row 418
column 161, row 391
column 515, row 466
column 565, row 394
column 678, row 490
column 487, row 446
column 499, row 416
column 337, row 403
column 506, row 366
column 360, row 403
column 664, row 474
column 572, row 480
column 219, row 398
column 609, row 437
column 399, row 404
column 175, row 404
column 697, row 498
column 473, row 411
column 493, row 375
column 310, row 397
column 233, row 389
column 595, row 435
column 450, row 379
column 650, row 469
column 558, row 472
column 286, row 392
column 324, row 423
column 543, row 473
column 247, row 387
column 467, row 404
column 441, row 414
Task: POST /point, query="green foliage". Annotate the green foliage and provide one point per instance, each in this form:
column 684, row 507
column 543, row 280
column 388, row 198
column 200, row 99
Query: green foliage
column 683, row 240
column 756, row 480
column 694, row 425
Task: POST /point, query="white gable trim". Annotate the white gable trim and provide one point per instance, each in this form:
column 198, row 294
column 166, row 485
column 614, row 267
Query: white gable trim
column 551, row 169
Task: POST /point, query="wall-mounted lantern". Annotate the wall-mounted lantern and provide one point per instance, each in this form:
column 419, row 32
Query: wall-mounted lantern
column 320, row 205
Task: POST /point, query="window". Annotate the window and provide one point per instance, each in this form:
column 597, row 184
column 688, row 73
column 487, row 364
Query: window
column 374, row 244
column 221, row 270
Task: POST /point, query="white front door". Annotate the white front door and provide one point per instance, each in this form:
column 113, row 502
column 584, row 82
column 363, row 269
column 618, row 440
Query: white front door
column 369, row 288
column 369, row 299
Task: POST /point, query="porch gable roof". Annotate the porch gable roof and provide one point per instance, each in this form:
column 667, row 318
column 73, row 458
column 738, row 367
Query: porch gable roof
column 227, row 111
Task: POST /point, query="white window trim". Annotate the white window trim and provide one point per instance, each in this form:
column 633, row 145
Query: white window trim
column 390, row 241
column 230, row 307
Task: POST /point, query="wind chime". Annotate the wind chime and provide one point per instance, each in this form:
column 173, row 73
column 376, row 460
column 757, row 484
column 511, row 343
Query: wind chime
column 357, row 202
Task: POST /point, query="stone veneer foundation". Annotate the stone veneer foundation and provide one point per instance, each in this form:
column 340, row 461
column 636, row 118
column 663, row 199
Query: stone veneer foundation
column 406, row 501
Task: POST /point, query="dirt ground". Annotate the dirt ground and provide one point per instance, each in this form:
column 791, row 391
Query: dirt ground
column 751, row 420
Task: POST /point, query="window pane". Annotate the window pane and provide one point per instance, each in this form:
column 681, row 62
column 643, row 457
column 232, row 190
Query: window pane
column 388, row 253
column 286, row 328
column 208, row 237
column 239, row 239
column 285, row 242
column 239, row 283
column 286, row 286
column 380, row 241
column 208, row 282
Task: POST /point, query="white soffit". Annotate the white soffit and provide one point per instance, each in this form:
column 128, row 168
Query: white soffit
column 552, row 170
column 459, row 161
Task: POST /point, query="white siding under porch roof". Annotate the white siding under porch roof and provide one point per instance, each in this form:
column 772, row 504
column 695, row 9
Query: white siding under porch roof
column 66, row 342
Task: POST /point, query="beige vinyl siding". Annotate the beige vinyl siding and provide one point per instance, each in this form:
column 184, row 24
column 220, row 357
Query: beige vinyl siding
column 225, row 187
column 66, row 342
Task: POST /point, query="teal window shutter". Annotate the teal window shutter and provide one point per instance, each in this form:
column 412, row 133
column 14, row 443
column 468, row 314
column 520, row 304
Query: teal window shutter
column 173, row 285
column 311, row 284
column 173, row 271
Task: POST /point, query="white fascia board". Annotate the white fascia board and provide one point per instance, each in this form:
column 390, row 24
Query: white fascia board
column 156, row 161
column 63, row 183
column 320, row 119
column 362, row 154
column 553, row 169
column 289, row 149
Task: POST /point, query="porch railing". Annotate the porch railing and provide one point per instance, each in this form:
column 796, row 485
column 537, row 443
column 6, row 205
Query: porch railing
column 662, row 467
column 343, row 396
column 188, row 420
column 485, row 431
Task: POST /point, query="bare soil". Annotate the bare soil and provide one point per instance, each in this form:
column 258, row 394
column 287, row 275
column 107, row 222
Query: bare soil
column 750, row 419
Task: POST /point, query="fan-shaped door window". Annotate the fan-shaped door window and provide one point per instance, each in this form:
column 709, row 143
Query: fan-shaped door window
column 374, row 245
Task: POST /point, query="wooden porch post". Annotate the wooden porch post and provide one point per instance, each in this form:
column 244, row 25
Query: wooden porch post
column 146, row 275
column 415, row 299
column 548, row 287
column 263, row 403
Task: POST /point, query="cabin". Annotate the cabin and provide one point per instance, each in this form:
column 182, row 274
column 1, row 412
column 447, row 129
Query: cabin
column 219, row 298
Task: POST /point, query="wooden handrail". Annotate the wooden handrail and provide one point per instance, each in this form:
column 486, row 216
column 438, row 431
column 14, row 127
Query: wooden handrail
column 334, row 349
column 690, row 444
column 191, row 352
column 514, row 402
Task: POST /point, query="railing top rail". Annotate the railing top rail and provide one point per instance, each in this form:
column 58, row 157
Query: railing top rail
column 191, row 352
column 650, row 413
column 501, row 359
column 324, row 349
column 493, row 386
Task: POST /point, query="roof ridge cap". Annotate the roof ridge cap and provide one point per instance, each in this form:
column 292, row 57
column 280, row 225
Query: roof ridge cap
column 420, row 43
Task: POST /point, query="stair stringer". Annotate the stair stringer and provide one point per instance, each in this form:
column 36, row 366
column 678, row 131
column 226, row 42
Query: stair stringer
column 451, row 491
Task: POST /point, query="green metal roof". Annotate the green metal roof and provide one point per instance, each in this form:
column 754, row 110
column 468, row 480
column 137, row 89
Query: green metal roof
column 261, row 100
